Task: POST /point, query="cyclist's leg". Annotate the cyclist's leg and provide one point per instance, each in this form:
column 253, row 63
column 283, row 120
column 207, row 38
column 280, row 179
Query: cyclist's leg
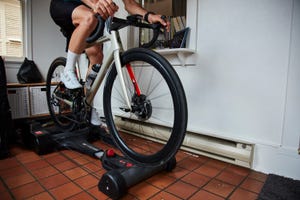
column 79, row 22
column 95, row 55
column 85, row 23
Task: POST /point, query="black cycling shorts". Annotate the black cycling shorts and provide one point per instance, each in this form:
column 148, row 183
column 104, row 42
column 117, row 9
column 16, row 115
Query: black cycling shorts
column 61, row 13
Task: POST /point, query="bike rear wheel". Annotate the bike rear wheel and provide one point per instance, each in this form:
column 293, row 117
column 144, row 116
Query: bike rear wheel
column 61, row 112
column 153, row 131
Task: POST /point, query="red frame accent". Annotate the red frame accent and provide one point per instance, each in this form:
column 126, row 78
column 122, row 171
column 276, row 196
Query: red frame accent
column 133, row 80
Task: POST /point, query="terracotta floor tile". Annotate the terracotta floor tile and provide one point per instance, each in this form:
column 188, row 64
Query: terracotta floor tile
column 75, row 173
column 16, row 149
column 243, row 194
column 55, row 153
column 63, row 166
column 41, row 196
column 181, row 155
column 36, row 165
column 178, row 172
column 16, row 181
column 87, row 182
column 202, row 194
column 45, row 172
column 54, row 181
column 28, row 157
column 230, row 177
column 143, row 190
column 207, row 171
column 70, row 154
column 238, row 170
column 202, row 159
column 16, row 171
column 97, row 194
column 81, row 160
column 27, row 190
column 56, row 159
column 161, row 180
column 81, row 196
column 99, row 174
column 5, row 196
column 65, row 191
column 92, row 167
column 195, row 179
column 190, row 163
column 164, row 195
column 128, row 196
column 71, row 175
column 219, row 188
column 8, row 163
column 2, row 187
column 177, row 189
column 217, row 164
column 258, row 176
column 252, row 185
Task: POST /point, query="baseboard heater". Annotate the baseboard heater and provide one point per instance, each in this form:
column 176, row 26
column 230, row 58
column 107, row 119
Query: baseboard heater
column 236, row 152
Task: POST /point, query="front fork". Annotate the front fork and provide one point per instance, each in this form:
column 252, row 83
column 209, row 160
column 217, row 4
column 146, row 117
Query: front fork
column 122, row 81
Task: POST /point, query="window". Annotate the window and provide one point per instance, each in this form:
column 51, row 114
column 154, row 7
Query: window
column 175, row 10
column 11, row 28
column 166, row 7
column 187, row 8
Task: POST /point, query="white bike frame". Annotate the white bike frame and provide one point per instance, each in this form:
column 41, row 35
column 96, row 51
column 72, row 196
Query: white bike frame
column 113, row 54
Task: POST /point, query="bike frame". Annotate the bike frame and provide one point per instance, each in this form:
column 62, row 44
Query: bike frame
column 113, row 54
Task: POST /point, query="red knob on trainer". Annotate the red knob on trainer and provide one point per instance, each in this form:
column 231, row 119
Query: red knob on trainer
column 110, row 153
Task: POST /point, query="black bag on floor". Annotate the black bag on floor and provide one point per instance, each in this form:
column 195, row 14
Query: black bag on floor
column 5, row 114
column 29, row 72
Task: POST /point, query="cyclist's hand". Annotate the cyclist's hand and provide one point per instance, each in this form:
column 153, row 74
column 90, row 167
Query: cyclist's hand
column 154, row 18
column 105, row 8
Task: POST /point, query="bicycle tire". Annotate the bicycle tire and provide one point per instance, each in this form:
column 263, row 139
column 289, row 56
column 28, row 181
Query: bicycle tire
column 55, row 106
column 156, row 77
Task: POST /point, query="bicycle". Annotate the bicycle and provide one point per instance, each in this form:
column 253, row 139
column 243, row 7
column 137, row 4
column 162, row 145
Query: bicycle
column 139, row 85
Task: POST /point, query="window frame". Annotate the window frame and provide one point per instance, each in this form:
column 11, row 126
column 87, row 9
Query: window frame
column 191, row 22
column 26, row 33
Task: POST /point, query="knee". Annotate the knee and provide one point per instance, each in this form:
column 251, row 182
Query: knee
column 90, row 20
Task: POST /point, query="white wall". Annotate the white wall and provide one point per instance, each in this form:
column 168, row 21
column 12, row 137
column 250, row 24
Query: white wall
column 248, row 73
column 47, row 40
column 244, row 83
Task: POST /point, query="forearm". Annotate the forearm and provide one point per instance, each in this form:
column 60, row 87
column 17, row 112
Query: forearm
column 90, row 3
column 133, row 7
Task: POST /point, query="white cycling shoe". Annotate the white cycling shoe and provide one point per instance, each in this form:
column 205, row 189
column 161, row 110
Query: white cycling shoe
column 95, row 119
column 70, row 80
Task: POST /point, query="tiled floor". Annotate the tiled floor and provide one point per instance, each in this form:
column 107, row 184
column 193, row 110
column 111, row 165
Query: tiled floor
column 71, row 175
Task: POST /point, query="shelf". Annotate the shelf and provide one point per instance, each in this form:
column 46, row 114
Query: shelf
column 181, row 53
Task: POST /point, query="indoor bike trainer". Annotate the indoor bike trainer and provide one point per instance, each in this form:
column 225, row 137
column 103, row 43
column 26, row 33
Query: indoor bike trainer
column 139, row 83
column 121, row 172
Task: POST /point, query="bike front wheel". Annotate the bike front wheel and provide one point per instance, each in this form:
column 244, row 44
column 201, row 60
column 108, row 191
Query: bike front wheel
column 152, row 131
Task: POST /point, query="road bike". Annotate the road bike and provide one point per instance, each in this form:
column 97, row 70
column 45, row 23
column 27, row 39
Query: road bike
column 141, row 88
